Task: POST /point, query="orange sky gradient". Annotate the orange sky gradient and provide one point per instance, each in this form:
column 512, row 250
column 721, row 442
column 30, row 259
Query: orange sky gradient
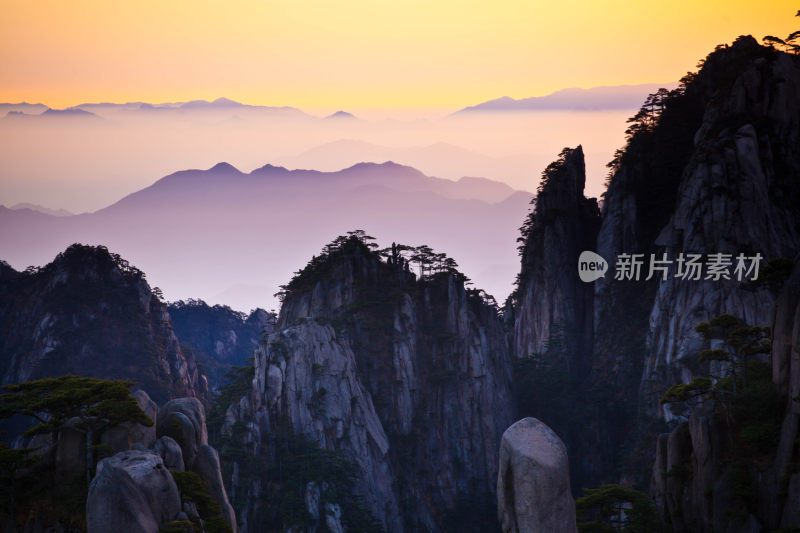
column 326, row 55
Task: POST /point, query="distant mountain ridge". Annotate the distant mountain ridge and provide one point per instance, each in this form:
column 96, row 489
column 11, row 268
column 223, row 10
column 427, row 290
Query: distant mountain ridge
column 42, row 209
column 388, row 174
column 98, row 108
column 435, row 159
column 89, row 312
column 23, row 107
column 595, row 98
column 573, row 98
column 342, row 115
column 198, row 233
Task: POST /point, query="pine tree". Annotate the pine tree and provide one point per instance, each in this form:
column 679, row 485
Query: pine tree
column 93, row 404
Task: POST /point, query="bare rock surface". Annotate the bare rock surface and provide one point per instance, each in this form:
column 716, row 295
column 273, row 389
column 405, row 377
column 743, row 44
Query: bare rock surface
column 533, row 491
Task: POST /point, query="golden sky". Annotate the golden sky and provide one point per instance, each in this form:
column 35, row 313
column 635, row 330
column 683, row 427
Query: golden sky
column 325, row 54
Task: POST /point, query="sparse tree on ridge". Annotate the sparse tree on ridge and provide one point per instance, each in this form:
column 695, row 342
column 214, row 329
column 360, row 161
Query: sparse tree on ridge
column 741, row 342
column 790, row 44
column 92, row 404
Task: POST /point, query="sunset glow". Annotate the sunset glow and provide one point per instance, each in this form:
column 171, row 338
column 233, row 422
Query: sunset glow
column 319, row 54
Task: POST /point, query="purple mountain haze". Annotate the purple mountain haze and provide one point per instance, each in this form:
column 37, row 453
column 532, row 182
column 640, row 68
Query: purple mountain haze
column 201, row 233
column 596, row 98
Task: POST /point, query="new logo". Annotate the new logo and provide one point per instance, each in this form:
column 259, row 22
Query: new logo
column 591, row 266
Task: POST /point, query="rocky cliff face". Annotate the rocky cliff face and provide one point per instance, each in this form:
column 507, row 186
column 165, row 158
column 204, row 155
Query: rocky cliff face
column 90, row 313
column 551, row 302
column 738, row 193
column 554, row 314
column 711, row 475
column 714, row 172
column 408, row 379
column 169, row 484
column 219, row 336
column 709, row 168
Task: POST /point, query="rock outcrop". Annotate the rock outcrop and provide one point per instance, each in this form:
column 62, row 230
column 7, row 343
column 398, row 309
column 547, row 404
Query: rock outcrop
column 171, row 453
column 533, row 490
column 70, row 447
column 90, row 313
column 132, row 492
column 737, row 194
column 408, row 379
column 551, row 303
column 139, row 490
column 208, row 467
column 124, row 436
column 711, row 167
column 184, row 420
column 698, row 482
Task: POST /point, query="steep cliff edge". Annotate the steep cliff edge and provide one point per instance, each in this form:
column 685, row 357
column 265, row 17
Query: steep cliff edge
column 219, row 336
column 733, row 465
column 550, row 301
column 739, row 193
column 729, row 464
column 90, row 313
column 553, row 311
column 407, row 379
column 709, row 168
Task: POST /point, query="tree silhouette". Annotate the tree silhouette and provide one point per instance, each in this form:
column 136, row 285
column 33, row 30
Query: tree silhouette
column 362, row 236
column 614, row 508
column 91, row 404
column 740, row 342
column 791, row 43
column 424, row 257
column 647, row 117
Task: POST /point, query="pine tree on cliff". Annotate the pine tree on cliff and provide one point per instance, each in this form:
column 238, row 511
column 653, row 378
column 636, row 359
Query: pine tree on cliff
column 614, row 508
column 92, row 404
column 740, row 343
column 790, row 44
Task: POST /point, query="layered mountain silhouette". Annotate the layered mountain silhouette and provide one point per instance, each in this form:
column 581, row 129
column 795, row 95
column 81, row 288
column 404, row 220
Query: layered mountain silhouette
column 339, row 115
column 42, row 209
column 199, row 233
column 23, row 107
column 33, row 112
column 225, row 105
column 439, row 159
column 607, row 97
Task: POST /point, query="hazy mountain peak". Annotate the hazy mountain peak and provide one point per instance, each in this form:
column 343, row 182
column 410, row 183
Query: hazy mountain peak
column 386, row 165
column 501, row 100
column 201, row 104
column 272, row 169
column 392, row 200
column 70, row 111
column 224, row 167
column 480, row 180
column 42, row 209
column 222, row 101
column 25, row 107
column 594, row 98
column 341, row 115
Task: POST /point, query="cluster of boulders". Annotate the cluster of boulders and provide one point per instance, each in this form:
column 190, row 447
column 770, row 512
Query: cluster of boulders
column 135, row 491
